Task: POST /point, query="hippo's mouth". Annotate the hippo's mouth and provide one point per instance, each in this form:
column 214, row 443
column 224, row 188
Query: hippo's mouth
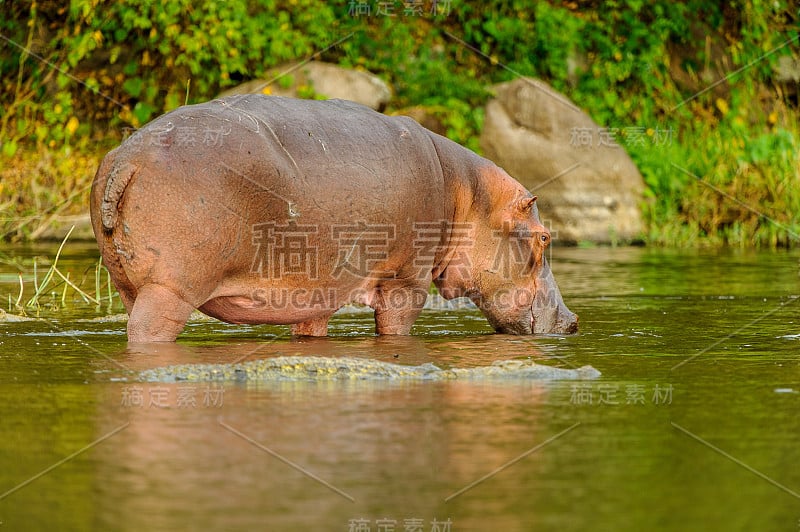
column 524, row 325
column 547, row 323
column 533, row 319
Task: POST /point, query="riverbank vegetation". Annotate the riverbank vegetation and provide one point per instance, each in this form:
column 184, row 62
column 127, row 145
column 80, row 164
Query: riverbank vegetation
column 704, row 97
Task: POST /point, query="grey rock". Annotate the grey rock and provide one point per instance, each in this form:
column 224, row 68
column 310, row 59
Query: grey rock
column 5, row 317
column 324, row 79
column 57, row 227
column 315, row 369
column 788, row 69
column 589, row 191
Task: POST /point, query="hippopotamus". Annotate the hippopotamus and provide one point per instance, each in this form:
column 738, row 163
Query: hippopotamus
column 260, row 209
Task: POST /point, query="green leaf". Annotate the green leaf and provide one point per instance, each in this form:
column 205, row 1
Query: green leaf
column 114, row 54
column 41, row 132
column 130, row 68
column 143, row 111
column 133, row 86
column 10, row 148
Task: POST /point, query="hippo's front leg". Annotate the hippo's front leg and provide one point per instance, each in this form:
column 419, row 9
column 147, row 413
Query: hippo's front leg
column 315, row 327
column 397, row 308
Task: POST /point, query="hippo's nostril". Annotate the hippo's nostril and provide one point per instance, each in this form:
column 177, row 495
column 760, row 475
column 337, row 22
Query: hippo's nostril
column 572, row 324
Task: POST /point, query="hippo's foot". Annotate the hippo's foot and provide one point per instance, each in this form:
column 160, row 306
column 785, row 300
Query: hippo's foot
column 158, row 315
column 315, row 327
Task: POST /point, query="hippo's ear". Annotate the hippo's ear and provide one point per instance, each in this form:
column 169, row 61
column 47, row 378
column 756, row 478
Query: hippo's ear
column 524, row 205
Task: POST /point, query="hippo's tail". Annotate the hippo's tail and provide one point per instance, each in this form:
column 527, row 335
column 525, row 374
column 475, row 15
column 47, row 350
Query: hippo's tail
column 108, row 189
column 118, row 178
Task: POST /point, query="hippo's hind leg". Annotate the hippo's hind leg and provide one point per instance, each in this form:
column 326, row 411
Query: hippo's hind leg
column 158, row 315
column 315, row 327
column 397, row 307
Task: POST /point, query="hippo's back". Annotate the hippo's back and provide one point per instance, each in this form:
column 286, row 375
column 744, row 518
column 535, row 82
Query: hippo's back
column 326, row 154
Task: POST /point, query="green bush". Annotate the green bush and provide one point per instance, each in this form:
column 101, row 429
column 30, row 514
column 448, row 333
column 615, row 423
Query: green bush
column 101, row 66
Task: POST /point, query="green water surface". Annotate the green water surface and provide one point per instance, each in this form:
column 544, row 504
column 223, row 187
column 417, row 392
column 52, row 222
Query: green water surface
column 694, row 423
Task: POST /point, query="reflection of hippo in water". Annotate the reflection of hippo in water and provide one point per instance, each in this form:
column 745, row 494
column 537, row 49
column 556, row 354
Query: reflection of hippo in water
column 258, row 209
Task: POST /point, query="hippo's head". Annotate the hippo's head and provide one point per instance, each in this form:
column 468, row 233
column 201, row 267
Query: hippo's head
column 516, row 289
column 508, row 276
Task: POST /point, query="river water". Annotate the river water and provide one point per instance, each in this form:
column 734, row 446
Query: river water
column 694, row 423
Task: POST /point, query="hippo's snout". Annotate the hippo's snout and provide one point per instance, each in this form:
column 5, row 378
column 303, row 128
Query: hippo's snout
column 549, row 314
column 544, row 316
column 555, row 319
column 567, row 323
